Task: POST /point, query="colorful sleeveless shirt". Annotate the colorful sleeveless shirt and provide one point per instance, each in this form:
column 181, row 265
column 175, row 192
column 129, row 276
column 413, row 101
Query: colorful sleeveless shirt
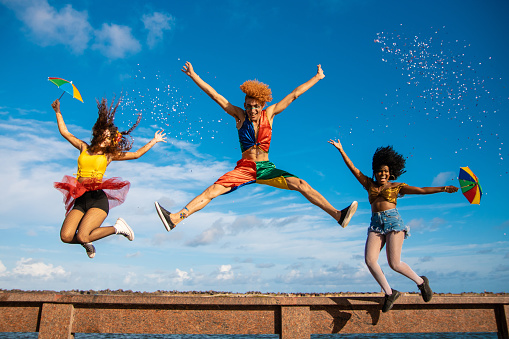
column 247, row 135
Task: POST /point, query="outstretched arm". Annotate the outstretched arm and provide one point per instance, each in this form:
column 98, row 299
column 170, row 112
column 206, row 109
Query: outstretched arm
column 211, row 92
column 283, row 104
column 428, row 190
column 158, row 136
column 355, row 171
column 79, row 144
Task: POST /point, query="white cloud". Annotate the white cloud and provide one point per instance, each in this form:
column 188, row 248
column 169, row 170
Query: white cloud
column 444, row 178
column 182, row 275
column 49, row 26
column 209, row 236
column 115, row 41
column 225, row 272
column 156, row 24
column 31, row 268
column 420, row 225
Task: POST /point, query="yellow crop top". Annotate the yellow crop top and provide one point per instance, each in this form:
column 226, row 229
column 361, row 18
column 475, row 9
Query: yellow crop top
column 390, row 193
column 91, row 166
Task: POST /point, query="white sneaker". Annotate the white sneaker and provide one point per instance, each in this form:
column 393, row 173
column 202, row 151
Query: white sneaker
column 90, row 249
column 121, row 227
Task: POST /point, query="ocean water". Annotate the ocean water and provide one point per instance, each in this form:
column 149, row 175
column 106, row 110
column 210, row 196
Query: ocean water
column 481, row 335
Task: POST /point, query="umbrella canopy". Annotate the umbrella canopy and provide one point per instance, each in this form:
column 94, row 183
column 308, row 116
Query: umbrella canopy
column 470, row 185
column 67, row 86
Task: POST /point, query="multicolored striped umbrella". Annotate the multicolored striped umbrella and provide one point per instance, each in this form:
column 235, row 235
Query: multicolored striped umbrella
column 470, row 185
column 68, row 87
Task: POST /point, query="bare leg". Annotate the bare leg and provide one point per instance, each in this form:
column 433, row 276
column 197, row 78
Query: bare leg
column 374, row 245
column 393, row 249
column 313, row 196
column 199, row 202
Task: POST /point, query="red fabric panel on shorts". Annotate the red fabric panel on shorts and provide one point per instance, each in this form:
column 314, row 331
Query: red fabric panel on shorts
column 244, row 172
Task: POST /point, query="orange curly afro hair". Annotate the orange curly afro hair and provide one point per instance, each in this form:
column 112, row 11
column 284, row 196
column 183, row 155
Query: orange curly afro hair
column 257, row 90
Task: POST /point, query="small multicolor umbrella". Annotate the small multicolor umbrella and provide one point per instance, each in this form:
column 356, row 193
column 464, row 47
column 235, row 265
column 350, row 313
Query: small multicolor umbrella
column 67, row 86
column 470, row 185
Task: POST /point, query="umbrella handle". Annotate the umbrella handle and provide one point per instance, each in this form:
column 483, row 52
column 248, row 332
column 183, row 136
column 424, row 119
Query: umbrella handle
column 61, row 95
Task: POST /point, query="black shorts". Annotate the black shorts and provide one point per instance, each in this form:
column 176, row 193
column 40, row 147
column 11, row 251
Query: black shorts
column 92, row 199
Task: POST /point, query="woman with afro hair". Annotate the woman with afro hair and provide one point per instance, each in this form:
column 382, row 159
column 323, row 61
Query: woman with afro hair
column 254, row 126
column 88, row 197
column 386, row 227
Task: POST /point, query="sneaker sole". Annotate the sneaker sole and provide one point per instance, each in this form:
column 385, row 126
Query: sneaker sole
column 349, row 214
column 131, row 238
column 90, row 254
column 163, row 219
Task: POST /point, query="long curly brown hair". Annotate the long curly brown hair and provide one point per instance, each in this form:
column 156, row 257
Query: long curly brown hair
column 120, row 142
column 258, row 90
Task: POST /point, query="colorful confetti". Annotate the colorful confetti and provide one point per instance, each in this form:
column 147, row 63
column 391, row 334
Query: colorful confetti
column 443, row 80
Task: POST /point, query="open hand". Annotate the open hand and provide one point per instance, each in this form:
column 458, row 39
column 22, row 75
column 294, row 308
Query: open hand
column 188, row 68
column 160, row 136
column 336, row 144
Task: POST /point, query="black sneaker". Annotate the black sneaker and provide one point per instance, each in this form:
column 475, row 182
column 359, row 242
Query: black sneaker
column 426, row 291
column 389, row 300
column 347, row 214
column 165, row 217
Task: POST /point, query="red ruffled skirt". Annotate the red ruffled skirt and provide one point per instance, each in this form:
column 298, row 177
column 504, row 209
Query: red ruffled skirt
column 115, row 188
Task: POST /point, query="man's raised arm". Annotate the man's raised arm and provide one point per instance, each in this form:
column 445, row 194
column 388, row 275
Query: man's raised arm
column 283, row 104
column 211, row 92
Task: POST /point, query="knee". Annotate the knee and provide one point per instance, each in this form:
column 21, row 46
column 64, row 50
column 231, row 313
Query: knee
column 371, row 262
column 395, row 265
column 301, row 185
column 66, row 237
column 215, row 190
column 82, row 237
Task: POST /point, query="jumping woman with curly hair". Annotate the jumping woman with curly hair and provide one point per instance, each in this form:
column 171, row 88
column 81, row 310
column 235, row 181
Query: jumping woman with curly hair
column 386, row 227
column 88, row 197
column 254, row 125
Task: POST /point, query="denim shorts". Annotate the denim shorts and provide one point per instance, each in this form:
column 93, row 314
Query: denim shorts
column 388, row 221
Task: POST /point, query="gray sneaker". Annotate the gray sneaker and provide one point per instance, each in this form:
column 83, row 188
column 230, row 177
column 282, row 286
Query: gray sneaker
column 389, row 300
column 90, row 249
column 426, row 292
column 121, row 227
column 165, row 217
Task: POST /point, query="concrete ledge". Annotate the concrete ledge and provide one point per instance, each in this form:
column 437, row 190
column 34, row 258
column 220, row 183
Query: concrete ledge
column 59, row 315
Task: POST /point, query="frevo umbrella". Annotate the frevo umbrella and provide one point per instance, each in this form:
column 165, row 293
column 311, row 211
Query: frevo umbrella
column 67, row 86
column 470, row 185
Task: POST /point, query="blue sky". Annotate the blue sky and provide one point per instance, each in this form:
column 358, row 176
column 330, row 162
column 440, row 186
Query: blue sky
column 429, row 79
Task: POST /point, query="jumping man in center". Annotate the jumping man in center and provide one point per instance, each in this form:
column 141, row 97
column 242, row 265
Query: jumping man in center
column 254, row 125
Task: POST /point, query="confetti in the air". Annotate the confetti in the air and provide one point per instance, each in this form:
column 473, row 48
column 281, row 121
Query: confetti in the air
column 443, row 79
